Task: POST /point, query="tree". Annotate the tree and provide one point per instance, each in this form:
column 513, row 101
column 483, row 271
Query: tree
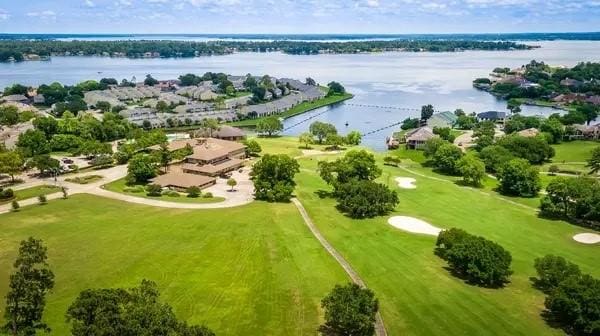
column 334, row 141
column 444, row 133
column 552, row 270
column 190, row 79
column 42, row 199
column 269, row 125
column 45, row 164
column 232, row 183
column 141, row 168
column 353, row 138
column 355, row 165
column 555, row 128
column 9, row 115
column 310, row 81
column 11, row 163
column 48, row 125
column 447, row 239
column 483, row 133
column 480, row 261
column 349, row 310
column 573, row 117
column 321, row 130
column 193, row 192
column 14, row 206
column 252, row 147
column 209, row 125
column 365, row 198
column 465, row 122
column 410, row 123
column 553, row 169
column 494, row 157
column 103, row 106
column 273, row 177
column 519, row 178
column 589, row 111
column 432, row 145
column 133, row 311
column 28, row 286
column 472, row 169
column 572, row 198
column 514, row 106
column 534, row 149
column 594, row 161
column 146, row 125
column 574, row 305
column 164, row 156
column 307, row 139
column 162, row 106
column 426, row 111
column 446, row 158
column 33, row 142
column 335, row 88
column 150, row 81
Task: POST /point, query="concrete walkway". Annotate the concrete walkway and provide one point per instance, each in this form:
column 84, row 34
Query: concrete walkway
column 379, row 326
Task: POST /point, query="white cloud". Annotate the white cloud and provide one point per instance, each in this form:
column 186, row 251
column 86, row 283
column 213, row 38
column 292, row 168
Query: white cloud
column 89, row 3
column 4, row 15
column 157, row 1
column 47, row 14
column 373, row 3
column 125, row 3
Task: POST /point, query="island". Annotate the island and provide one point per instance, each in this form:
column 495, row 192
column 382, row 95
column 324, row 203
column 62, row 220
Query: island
column 16, row 50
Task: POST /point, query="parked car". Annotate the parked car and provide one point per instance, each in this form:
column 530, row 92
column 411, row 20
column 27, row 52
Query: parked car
column 67, row 161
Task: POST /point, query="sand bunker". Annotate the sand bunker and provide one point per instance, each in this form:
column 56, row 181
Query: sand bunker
column 406, row 182
column 314, row 152
column 587, row 238
column 413, row 225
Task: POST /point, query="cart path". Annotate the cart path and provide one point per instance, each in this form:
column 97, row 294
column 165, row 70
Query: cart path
column 379, row 326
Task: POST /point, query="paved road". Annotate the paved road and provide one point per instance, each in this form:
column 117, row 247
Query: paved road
column 379, row 326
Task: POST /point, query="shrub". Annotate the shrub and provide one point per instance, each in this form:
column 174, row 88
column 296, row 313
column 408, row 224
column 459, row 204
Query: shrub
column 42, row 199
column 553, row 169
column 193, row 192
column 365, row 199
column 171, row 193
column 208, row 195
column 552, row 270
column 15, row 206
column 446, row 158
column 153, row 190
column 391, row 161
column 134, row 189
column 6, row 194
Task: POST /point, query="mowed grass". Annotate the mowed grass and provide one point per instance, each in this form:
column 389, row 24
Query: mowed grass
column 418, row 296
column 120, row 187
column 32, row 192
column 574, row 151
column 251, row 270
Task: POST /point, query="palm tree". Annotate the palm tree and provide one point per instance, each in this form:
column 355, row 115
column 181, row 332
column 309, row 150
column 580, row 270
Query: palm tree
column 594, row 161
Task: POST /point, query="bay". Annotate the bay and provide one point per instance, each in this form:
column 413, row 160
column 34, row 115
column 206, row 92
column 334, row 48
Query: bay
column 388, row 87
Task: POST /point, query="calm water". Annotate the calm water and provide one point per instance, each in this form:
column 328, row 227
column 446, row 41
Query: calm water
column 406, row 80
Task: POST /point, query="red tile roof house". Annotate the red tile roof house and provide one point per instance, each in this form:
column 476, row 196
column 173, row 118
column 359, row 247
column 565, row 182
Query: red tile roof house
column 210, row 158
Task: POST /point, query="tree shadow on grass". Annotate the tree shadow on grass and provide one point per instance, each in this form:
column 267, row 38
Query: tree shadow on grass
column 465, row 279
column 324, row 194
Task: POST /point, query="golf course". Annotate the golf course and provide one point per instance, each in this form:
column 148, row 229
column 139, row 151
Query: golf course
column 257, row 269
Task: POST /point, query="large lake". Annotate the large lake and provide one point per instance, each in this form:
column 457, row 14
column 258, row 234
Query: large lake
column 403, row 80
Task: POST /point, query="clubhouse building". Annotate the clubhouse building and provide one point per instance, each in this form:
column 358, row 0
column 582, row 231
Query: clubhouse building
column 210, row 159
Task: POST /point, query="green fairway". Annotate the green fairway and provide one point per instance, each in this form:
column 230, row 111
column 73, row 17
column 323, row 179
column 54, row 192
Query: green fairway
column 251, row 270
column 417, row 295
column 120, row 187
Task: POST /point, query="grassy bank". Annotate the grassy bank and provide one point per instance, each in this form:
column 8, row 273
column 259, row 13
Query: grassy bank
column 32, row 192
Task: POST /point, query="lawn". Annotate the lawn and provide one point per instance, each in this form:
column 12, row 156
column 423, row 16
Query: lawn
column 120, row 186
column 298, row 109
column 251, row 270
column 574, row 151
column 417, row 295
column 32, row 192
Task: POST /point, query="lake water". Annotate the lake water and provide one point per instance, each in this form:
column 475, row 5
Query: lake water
column 402, row 80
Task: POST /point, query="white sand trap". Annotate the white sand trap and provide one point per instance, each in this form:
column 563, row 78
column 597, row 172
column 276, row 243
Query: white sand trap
column 413, row 225
column 314, row 152
column 406, row 182
column 587, row 238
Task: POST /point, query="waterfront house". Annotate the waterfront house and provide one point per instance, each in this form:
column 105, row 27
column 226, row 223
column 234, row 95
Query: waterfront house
column 39, row 99
column 495, row 116
column 16, row 98
column 568, row 82
column 593, row 100
column 224, row 132
column 442, row 120
column 416, row 138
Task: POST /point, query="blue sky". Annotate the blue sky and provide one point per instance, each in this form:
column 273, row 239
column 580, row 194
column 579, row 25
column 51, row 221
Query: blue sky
column 298, row 16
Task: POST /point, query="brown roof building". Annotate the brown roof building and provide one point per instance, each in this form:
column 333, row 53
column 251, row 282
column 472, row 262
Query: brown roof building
column 210, row 158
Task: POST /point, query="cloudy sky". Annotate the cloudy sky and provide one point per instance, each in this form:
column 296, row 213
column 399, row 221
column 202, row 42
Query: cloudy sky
column 298, row 16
